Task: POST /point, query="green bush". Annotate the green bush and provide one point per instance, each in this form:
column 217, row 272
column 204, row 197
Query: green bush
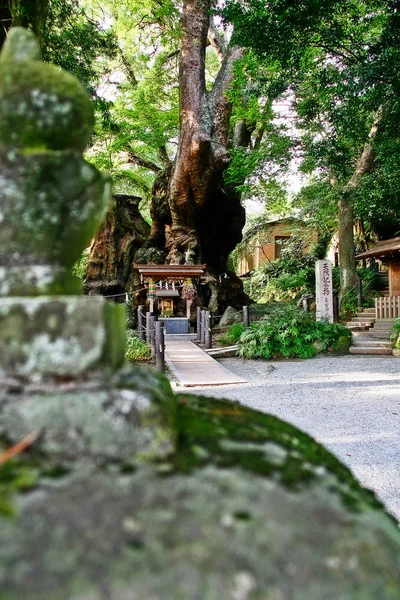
column 290, row 333
column 287, row 278
column 232, row 335
column 395, row 337
column 136, row 349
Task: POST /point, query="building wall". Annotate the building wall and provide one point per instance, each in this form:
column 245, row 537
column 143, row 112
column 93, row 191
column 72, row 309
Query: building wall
column 268, row 249
column 394, row 278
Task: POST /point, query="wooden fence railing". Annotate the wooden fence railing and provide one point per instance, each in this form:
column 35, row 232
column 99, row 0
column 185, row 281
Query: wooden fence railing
column 387, row 307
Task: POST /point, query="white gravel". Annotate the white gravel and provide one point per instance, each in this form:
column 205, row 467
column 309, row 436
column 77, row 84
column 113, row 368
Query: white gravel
column 350, row 404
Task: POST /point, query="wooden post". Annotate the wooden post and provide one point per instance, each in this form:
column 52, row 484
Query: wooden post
column 141, row 331
column 359, row 293
column 246, row 316
column 153, row 319
column 203, row 326
column 148, row 314
column 160, row 345
column 208, row 338
column 198, row 328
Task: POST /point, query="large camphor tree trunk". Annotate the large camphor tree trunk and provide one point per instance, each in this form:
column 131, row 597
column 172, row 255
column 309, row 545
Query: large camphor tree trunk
column 109, row 265
column 196, row 218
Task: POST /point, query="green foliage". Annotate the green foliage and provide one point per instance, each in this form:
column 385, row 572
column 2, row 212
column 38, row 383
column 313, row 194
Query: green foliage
column 286, row 278
column 290, row 333
column 79, row 268
column 77, row 41
column 349, row 303
column 136, row 349
column 232, row 335
column 395, row 337
column 15, row 475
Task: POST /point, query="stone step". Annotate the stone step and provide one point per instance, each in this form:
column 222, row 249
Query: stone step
column 372, row 343
column 361, row 334
column 356, row 327
column 370, row 350
column 360, row 324
column 363, row 319
column 381, row 333
column 384, row 324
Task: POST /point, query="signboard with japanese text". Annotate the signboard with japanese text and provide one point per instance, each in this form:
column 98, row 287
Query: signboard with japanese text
column 323, row 290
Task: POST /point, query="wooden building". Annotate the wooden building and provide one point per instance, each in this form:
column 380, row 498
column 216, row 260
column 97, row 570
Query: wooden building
column 388, row 253
column 268, row 244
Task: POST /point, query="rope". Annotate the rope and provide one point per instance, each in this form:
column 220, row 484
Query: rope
column 125, row 294
column 133, row 293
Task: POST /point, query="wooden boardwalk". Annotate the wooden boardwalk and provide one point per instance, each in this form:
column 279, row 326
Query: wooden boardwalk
column 192, row 366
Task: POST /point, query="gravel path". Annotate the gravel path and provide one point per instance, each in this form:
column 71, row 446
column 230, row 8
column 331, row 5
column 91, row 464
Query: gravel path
column 350, row 404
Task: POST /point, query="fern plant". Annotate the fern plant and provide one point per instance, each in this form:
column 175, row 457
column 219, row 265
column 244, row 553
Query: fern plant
column 290, row 333
column 232, row 335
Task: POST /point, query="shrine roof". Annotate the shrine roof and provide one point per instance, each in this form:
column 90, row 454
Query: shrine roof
column 382, row 248
column 172, row 271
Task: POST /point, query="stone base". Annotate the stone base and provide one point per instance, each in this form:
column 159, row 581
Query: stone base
column 60, row 336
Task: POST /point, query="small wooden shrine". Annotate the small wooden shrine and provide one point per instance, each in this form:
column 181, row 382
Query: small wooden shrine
column 167, row 283
column 388, row 252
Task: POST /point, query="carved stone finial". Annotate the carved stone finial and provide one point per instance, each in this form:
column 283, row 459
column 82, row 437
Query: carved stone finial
column 41, row 106
column 51, row 200
column 21, row 46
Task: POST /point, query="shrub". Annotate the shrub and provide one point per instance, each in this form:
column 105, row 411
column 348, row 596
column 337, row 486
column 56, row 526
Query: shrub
column 395, row 337
column 232, row 335
column 290, row 333
column 136, row 349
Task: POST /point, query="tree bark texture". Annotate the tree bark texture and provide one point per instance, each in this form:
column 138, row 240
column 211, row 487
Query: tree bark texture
column 30, row 13
column 24, row 13
column 365, row 164
column 109, row 267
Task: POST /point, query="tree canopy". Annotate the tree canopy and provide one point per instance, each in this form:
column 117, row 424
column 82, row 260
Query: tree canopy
column 153, row 66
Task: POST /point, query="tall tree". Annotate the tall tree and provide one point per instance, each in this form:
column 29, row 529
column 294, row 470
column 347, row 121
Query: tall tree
column 196, row 216
column 339, row 81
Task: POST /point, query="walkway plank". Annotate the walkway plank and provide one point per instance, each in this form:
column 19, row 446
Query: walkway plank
column 192, row 366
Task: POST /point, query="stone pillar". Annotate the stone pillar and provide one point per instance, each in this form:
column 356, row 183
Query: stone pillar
column 51, row 204
column 323, row 290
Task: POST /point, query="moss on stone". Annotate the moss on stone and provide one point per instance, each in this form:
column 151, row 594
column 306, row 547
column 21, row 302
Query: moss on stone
column 41, row 106
column 207, row 422
column 114, row 347
column 242, row 494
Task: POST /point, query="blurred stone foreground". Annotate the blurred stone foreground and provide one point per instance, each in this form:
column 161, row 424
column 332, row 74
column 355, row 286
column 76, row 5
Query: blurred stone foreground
column 131, row 492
